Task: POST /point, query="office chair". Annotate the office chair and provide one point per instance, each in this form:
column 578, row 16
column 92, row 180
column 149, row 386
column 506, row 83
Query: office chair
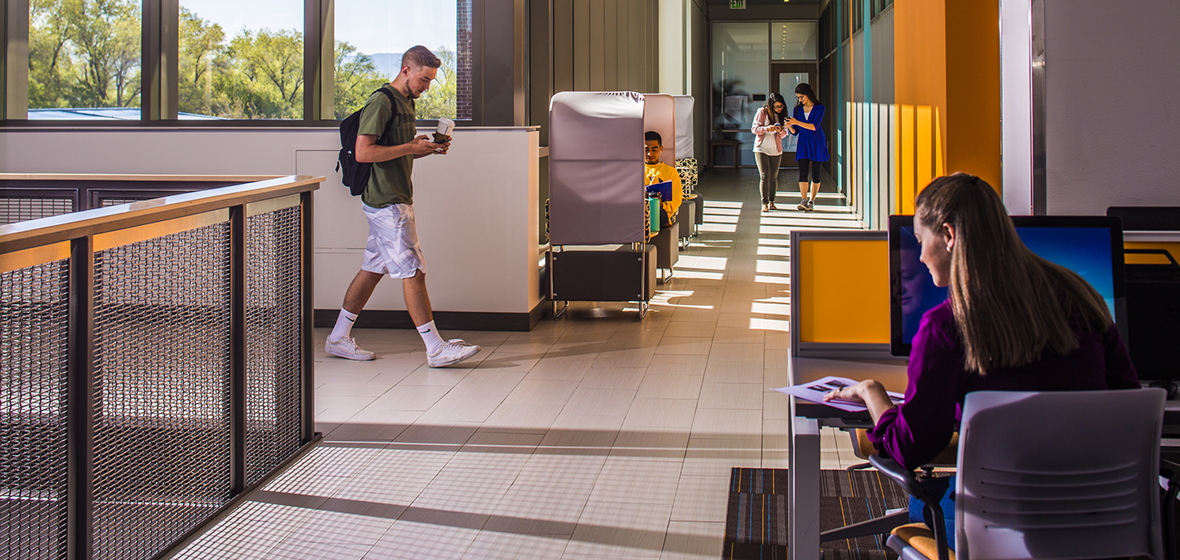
column 893, row 518
column 1071, row 474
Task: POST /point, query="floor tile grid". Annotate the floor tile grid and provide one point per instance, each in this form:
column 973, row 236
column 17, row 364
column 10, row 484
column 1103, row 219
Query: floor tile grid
column 628, row 428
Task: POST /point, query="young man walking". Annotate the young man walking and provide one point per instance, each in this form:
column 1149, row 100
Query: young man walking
column 392, row 246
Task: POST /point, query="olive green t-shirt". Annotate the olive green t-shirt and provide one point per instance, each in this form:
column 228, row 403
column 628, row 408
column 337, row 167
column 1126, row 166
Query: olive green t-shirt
column 389, row 181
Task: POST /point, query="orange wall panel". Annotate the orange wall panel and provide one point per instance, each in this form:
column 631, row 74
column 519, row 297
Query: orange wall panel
column 973, row 89
column 920, row 56
column 1173, row 248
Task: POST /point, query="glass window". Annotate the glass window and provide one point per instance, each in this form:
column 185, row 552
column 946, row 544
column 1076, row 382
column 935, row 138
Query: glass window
column 825, row 32
column 741, row 80
column 793, row 40
column 371, row 36
column 84, row 59
column 842, row 10
column 241, row 60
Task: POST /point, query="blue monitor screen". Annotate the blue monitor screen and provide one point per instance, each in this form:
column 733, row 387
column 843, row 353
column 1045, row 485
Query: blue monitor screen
column 1083, row 245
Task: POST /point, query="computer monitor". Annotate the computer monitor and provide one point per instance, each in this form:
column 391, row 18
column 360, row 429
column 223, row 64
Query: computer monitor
column 1091, row 246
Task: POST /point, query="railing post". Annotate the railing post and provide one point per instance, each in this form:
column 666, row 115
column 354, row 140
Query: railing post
column 237, row 352
column 307, row 247
column 80, row 403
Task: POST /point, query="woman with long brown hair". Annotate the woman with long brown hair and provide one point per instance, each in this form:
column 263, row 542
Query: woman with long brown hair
column 1013, row 322
column 769, row 131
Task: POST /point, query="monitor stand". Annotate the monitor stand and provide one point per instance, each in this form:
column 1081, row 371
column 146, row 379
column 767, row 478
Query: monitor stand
column 1171, row 386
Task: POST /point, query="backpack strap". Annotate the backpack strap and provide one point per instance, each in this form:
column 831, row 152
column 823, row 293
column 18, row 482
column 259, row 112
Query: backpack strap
column 381, row 140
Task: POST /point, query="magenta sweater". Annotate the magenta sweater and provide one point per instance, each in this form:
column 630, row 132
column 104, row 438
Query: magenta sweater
column 915, row 432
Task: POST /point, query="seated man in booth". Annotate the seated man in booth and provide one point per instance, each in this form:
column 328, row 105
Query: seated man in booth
column 656, row 171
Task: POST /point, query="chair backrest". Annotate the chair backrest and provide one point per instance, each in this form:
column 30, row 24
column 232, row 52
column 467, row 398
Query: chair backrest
column 1071, row 474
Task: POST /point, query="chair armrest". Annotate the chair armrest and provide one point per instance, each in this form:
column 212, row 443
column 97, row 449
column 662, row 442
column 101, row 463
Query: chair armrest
column 899, row 474
column 909, row 482
column 1171, row 471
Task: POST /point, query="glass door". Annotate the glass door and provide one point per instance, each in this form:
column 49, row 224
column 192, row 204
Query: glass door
column 783, row 79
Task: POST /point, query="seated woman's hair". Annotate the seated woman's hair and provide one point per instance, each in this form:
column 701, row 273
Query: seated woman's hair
column 1012, row 307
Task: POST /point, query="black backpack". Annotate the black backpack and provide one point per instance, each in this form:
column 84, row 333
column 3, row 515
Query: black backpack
column 356, row 174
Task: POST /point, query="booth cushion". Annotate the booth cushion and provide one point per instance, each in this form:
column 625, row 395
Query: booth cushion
column 667, row 244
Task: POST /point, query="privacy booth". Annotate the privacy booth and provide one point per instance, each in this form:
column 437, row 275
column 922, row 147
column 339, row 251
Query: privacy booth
column 599, row 216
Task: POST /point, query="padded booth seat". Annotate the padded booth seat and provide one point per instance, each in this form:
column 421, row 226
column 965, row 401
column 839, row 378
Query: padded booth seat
column 595, row 275
column 667, row 246
column 686, row 217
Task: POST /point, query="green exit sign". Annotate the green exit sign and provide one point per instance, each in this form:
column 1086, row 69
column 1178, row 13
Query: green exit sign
column 737, row 4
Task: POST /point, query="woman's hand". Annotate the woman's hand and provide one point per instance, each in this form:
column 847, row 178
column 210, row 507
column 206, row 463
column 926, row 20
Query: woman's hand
column 869, row 392
column 793, row 122
column 854, row 393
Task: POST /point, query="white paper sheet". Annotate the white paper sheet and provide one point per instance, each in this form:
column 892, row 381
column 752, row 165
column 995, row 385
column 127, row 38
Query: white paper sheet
column 815, row 391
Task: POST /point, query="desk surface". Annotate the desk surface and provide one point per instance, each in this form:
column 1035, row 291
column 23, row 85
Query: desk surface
column 891, row 374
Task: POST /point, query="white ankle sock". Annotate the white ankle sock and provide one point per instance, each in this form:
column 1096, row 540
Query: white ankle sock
column 343, row 326
column 430, row 337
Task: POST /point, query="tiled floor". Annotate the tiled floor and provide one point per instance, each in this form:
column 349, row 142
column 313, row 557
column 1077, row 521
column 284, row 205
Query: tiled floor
column 595, row 436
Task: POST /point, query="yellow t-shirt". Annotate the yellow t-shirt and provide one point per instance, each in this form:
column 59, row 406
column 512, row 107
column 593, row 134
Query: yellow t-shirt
column 658, row 173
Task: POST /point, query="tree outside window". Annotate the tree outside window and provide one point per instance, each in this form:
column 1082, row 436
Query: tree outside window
column 85, row 54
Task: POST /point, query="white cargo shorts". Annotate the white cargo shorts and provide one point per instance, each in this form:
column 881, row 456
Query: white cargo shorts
column 392, row 247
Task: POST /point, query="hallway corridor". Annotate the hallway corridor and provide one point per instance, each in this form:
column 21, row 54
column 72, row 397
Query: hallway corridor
column 595, row 436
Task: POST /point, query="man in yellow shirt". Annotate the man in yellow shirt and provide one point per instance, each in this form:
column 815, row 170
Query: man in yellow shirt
column 657, row 172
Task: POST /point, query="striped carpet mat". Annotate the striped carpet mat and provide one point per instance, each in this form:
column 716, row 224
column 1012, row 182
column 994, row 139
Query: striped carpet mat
column 756, row 521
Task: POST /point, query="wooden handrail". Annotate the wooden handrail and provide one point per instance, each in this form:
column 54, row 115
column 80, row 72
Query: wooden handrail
column 54, row 229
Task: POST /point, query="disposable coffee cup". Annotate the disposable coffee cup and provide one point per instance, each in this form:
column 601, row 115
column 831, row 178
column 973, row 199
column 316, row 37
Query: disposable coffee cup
column 443, row 132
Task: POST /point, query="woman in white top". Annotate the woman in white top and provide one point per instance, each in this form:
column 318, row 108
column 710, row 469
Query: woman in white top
column 769, row 129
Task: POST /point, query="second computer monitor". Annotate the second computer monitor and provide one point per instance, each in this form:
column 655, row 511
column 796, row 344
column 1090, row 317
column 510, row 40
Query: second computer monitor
column 1091, row 246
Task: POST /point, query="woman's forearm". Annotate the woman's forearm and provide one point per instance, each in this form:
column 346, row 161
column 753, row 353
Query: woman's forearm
column 877, row 400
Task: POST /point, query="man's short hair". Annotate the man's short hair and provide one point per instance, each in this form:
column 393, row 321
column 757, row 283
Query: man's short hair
column 419, row 56
column 653, row 135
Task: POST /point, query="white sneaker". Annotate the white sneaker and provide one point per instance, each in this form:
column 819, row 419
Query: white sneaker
column 346, row 348
column 451, row 352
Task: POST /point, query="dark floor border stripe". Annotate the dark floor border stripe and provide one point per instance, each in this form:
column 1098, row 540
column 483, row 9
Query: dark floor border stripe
column 449, row 320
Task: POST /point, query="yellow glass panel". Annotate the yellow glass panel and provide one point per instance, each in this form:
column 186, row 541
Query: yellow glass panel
column 905, row 163
column 938, row 168
column 843, row 291
column 926, row 141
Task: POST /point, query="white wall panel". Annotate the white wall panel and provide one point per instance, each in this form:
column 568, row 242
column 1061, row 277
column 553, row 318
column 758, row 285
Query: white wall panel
column 476, row 206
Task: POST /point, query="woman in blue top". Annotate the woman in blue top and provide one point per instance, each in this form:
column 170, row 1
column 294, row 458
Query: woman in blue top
column 813, row 147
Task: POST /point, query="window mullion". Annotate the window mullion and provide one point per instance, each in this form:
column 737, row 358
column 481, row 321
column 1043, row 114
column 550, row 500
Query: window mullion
column 318, row 60
column 160, row 49
column 14, row 76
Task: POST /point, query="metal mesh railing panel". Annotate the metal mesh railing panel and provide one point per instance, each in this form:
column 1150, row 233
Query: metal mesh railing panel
column 273, row 356
column 161, row 392
column 34, row 323
column 19, row 208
